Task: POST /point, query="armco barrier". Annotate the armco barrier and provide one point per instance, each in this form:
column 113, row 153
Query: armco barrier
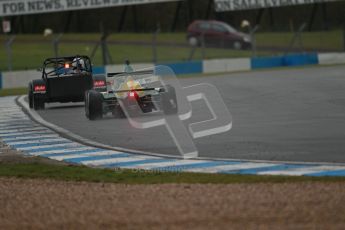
column 0, row 80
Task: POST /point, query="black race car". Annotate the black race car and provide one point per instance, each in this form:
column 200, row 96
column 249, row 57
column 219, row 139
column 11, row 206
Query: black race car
column 64, row 79
column 131, row 94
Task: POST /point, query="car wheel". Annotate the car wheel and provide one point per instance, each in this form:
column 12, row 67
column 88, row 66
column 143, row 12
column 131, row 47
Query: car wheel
column 237, row 45
column 94, row 105
column 86, row 104
column 38, row 102
column 30, row 97
column 169, row 101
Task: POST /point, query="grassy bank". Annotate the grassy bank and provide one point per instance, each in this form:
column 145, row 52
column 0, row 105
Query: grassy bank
column 13, row 92
column 29, row 51
column 81, row 173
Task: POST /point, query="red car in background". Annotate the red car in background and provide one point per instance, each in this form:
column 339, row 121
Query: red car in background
column 217, row 34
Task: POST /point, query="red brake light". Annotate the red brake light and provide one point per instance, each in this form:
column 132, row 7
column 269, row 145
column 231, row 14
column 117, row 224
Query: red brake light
column 133, row 95
column 66, row 66
column 99, row 83
column 39, row 88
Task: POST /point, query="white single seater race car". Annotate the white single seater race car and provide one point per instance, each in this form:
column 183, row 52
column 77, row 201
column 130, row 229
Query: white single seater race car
column 131, row 94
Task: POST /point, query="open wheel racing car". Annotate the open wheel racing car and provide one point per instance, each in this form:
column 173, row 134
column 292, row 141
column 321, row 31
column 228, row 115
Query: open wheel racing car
column 131, row 94
column 64, row 79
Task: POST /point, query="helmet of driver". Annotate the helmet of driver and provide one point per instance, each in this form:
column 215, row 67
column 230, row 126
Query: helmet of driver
column 78, row 63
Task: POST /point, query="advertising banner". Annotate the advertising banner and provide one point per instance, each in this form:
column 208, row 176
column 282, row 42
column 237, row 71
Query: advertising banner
column 233, row 5
column 21, row 7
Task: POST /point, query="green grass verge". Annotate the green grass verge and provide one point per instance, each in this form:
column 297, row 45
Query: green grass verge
column 311, row 40
column 82, row 173
column 13, row 92
column 31, row 56
column 30, row 50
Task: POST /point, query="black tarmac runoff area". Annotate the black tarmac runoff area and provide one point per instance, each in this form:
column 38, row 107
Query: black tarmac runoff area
column 280, row 115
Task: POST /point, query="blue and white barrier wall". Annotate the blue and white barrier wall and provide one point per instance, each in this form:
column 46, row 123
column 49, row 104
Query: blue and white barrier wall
column 288, row 60
column 178, row 67
column 119, row 68
column 16, row 79
column 331, row 58
column 226, row 65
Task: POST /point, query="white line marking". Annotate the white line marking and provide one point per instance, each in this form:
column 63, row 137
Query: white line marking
column 229, row 167
column 11, row 111
column 66, row 145
column 100, row 153
column 18, row 127
column 172, row 163
column 5, row 104
column 72, row 149
column 115, row 160
column 10, row 118
column 3, row 120
column 8, row 131
column 28, row 137
column 17, row 124
column 39, row 141
column 13, row 117
column 302, row 171
column 25, row 133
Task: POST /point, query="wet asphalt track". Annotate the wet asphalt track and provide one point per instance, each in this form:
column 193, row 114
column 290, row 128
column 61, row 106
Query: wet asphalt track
column 284, row 115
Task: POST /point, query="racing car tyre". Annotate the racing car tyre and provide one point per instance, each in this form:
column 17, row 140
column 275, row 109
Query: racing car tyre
column 38, row 101
column 86, row 102
column 30, row 96
column 93, row 105
column 169, row 101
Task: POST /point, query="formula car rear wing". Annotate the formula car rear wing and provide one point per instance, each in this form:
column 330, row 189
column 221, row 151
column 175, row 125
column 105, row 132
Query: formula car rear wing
column 161, row 89
column 140, row 72
column 135, row 73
